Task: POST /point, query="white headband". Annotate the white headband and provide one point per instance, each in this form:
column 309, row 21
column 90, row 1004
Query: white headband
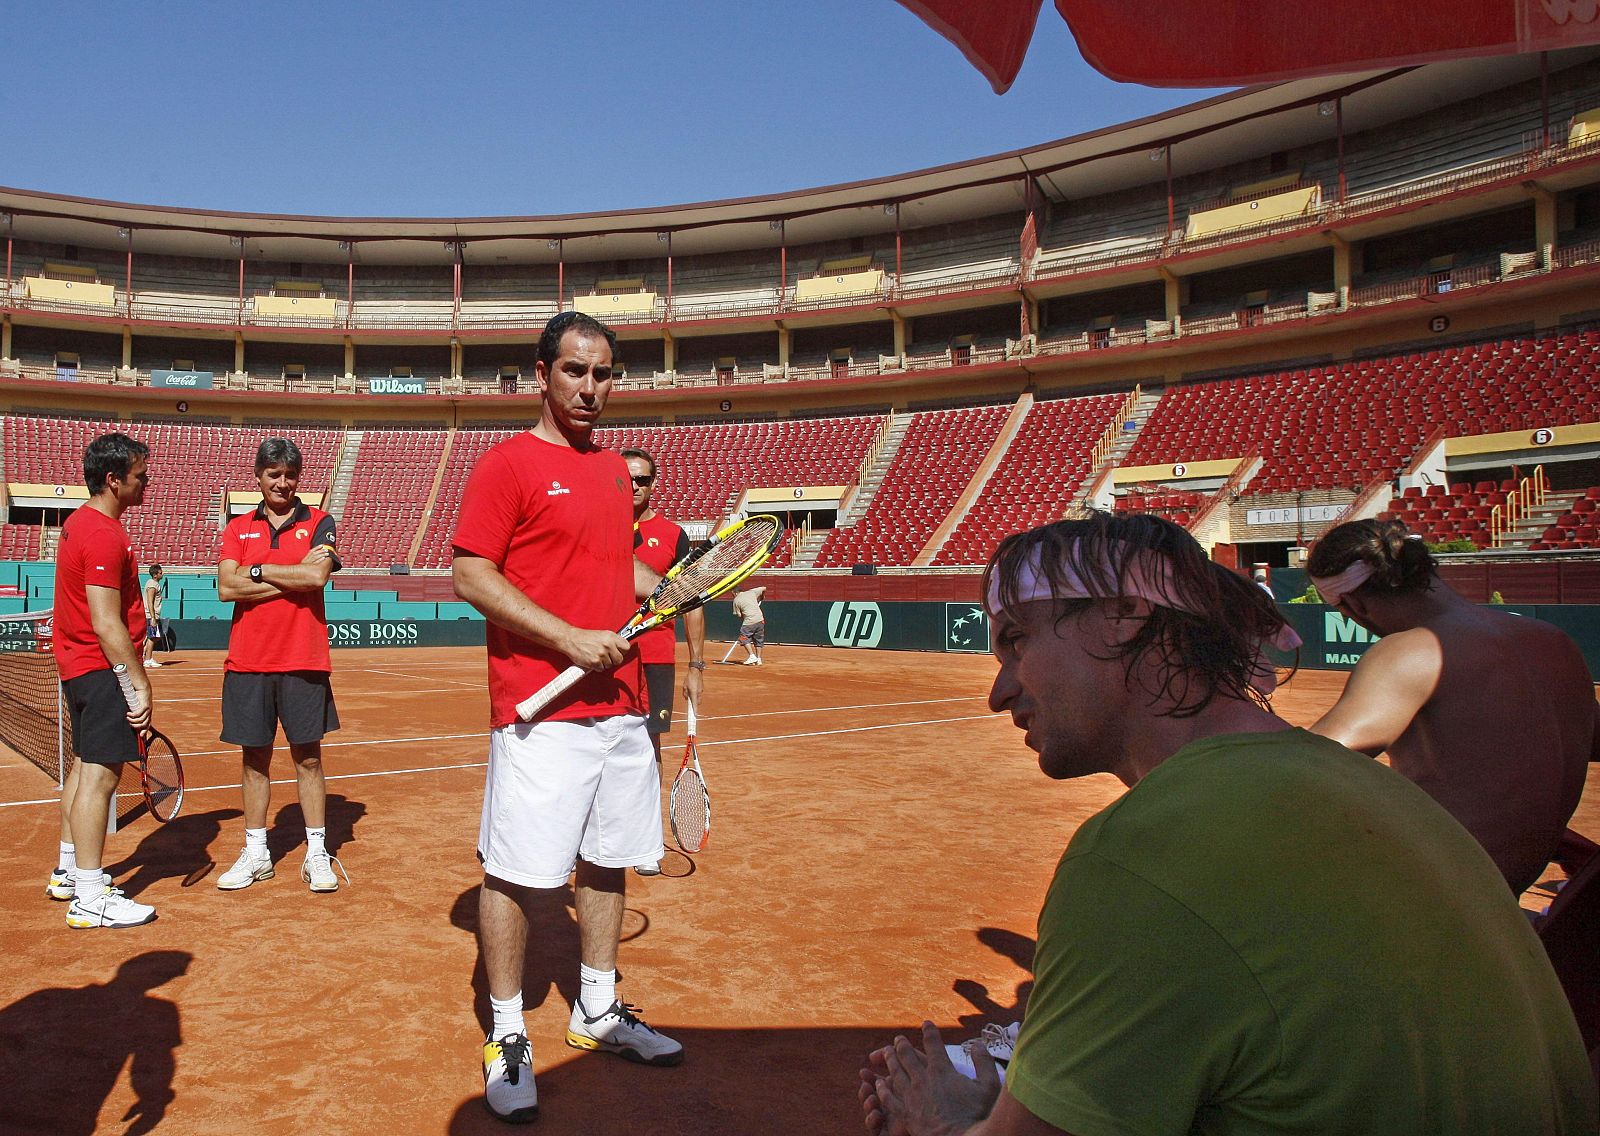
column 1148, row 577
column 1332, row 589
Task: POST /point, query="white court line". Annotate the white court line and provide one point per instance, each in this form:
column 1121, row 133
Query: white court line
column 422, row 678
column 481, row 764
column 344, row 695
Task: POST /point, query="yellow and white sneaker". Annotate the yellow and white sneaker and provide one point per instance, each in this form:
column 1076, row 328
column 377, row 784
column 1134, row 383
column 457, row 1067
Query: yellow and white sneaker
column 108, row 909
column 508, row 1089
column 618, row 1029
column 62, row 886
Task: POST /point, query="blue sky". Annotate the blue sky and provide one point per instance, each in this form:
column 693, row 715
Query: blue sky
column 427, row 109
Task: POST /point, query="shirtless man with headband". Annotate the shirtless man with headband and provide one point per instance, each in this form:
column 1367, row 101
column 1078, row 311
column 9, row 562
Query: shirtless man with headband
column 1492, row 714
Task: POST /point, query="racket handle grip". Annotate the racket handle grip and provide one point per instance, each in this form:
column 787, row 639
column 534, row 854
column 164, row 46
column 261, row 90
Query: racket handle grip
column 125, row 680
column 528, row 709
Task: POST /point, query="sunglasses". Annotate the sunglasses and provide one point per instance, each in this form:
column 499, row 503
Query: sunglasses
column 644, row 480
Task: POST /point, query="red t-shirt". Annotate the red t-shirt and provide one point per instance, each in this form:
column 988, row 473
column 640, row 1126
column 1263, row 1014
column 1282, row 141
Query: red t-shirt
column 94, row 551
column 558, row 524
column 660, row 544
column 287, row 632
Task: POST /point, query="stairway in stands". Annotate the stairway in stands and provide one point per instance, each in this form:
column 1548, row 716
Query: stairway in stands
column 1143, row 408
column 343, row 474
column 871, row 479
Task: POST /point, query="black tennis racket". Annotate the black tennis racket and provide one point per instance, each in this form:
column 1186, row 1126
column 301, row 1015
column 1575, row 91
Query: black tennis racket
column 690, row 804
column 708, row 570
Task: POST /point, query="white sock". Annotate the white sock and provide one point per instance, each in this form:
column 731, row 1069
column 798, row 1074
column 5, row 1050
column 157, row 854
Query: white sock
column 69, row 857
column 599, row 990
column 507, row 1016
column 88, row 882
column 255, row 841
column 316, row 840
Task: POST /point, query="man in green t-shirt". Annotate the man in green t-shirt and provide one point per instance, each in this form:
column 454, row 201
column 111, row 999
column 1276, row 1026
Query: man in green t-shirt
column 1267, row 933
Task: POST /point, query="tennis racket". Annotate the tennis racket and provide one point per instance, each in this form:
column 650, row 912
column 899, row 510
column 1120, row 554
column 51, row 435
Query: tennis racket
column 160, row 767
column 708, row 570
column 690, row 805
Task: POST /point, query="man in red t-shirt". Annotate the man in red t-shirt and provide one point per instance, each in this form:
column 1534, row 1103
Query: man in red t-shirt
column 543, row 547
column 274, row 563
column 99, row 632
column 661, row 544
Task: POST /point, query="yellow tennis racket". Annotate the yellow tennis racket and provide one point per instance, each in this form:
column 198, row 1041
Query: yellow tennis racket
column 709, row 569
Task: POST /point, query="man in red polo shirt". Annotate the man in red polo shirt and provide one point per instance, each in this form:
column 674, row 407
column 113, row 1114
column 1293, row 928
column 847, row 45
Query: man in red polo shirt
column 274, row 563
column 99, row 625
column 544, row 549
column 661, row 544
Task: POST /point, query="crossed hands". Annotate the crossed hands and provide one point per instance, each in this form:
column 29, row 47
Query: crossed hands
column 905, row 1091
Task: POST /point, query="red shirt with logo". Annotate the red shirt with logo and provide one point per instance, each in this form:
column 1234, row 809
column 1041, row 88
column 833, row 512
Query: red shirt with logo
column 94, row 551
column 558, row 524
column 287, row 632
column 660, row 544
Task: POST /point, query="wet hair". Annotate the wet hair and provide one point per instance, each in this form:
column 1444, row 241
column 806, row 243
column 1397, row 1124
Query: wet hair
column 1211, row 647
column 110, row 455
column 1399, row 560
column 642, row 456
column 586, row 326
column 277, row 451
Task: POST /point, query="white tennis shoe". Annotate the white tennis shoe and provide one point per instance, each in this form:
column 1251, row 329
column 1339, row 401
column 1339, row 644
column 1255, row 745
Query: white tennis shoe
column 246, row 870
column 108, row 909
column 651, row 869
column 1000, row 1041
column 317, row 872
column 618, row 1029
column 63, row 886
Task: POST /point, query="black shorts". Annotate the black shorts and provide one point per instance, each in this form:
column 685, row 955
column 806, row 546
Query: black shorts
column 253, row 704
column 660, row 682
column 100, row 731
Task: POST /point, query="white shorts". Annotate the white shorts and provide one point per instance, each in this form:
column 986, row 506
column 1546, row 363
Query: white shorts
column 558, row 791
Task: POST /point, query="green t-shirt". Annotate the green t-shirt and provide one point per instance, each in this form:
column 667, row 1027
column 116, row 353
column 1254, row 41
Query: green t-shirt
column 1270, row 934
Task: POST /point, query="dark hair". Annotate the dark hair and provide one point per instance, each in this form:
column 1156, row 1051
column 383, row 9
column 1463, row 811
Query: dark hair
column 642, row 456
column 1211, row 645
column 110, row 455
column 154, row 569
column 586, row 326
column 277, row 451
column 1399, row 560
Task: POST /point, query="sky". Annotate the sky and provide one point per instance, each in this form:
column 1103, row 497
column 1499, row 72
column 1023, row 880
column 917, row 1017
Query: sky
column 414, row 109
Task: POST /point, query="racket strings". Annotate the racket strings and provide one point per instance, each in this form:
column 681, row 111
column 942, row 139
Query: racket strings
column 750, row 545
column 691, row 810
column 164, row 778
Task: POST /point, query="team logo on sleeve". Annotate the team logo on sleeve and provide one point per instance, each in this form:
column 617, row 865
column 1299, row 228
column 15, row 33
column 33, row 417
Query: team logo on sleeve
column 300, row 534
column 556, row 489
column 653, row 542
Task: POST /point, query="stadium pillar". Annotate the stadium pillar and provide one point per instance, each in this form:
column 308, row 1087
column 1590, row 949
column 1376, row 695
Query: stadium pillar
column 456, row 354
column 899, row 322
column 349, row 356
column 1341, row 265
column 1173, row 291
column 669, row 352
column 238, row 352
column 1544, row 221
column 785, row 343
column 5, row 337
column 127, row 346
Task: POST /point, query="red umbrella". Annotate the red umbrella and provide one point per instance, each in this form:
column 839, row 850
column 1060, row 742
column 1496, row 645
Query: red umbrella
column 1224, row 43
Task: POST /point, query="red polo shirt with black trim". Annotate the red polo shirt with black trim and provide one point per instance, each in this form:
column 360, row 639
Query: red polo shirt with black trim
column 660, row 544
column 287, row 632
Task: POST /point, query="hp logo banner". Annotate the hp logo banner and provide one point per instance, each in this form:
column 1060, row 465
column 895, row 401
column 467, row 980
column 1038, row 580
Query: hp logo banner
column 855, row 624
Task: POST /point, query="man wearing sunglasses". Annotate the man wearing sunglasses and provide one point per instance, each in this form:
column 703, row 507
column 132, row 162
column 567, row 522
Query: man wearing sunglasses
column 660, row 544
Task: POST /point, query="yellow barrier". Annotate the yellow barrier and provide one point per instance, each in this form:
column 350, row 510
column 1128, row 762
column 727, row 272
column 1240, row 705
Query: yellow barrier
column 1262, row 211
column 616, row 304
column 302, row 307
column 1584, row 126
column 831, row 287
column 71, row 291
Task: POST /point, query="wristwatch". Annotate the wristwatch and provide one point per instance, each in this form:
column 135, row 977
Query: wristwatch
column 255, row 573
column 697, row 664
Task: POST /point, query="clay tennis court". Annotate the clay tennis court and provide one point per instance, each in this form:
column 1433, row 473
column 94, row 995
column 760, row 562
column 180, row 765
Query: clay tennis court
column 880, row 847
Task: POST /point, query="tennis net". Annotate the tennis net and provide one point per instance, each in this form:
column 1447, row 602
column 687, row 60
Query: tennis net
column 32, row 718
